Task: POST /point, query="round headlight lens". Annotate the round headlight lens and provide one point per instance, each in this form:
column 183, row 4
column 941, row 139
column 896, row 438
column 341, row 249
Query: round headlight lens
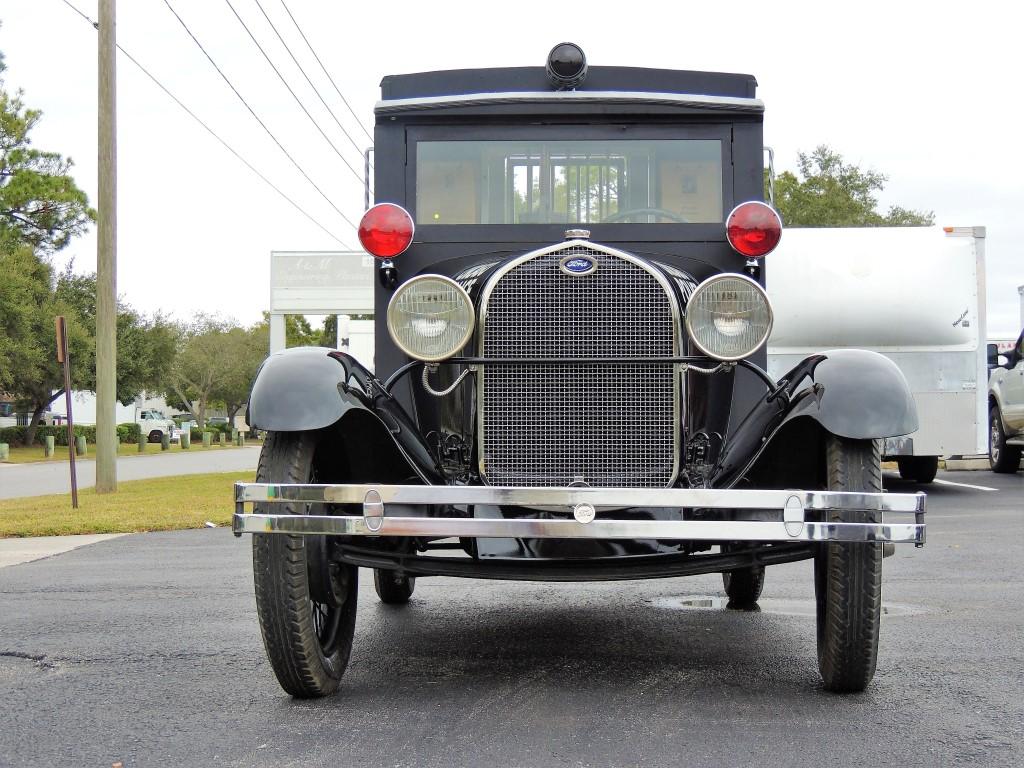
column 728, row 317
column 430, row 318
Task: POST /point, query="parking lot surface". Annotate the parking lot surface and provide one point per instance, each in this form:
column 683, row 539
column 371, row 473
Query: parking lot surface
column 145, row 650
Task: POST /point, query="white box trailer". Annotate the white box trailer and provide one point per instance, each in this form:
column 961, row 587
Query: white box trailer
column 913, row 294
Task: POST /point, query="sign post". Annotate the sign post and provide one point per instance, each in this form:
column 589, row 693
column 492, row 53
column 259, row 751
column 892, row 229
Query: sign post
column 64, row 359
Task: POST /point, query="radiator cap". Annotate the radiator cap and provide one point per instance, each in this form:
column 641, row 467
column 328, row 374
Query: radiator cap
column 577, row 234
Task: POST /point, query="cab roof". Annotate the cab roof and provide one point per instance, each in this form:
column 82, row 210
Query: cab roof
column 534, row 79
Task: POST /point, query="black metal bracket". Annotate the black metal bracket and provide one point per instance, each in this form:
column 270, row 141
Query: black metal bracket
column 608, row 569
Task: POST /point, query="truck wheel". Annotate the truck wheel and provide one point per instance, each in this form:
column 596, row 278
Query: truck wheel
column 743, row 586
column 1002, row 458
column 155, row 436
column 306, row 604
column 393, row 588
column 918, row 469
column 848, row 577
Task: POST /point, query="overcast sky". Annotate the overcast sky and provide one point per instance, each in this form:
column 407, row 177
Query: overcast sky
column 928, row 93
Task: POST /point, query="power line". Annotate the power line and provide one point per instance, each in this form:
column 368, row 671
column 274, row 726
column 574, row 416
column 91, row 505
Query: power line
column 257, row 117
column 311, row 85
column 336, row 89
column 298, row 101
column 213, row 133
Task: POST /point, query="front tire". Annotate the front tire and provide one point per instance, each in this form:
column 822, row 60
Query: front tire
column 918, row 469
column 848, row 577
column 1002, row 458
column 306, row 604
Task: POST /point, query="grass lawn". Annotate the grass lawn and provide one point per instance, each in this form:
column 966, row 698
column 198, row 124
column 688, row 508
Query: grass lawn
column 159, row 504
column 29, row 454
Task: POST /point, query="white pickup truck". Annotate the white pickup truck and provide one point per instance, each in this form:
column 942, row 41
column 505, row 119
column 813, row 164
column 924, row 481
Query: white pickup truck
column 913, row 294
column 154, row 425
column 1006, row 411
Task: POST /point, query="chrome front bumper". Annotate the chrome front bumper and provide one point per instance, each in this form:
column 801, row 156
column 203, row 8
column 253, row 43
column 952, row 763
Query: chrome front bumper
column 791, row 509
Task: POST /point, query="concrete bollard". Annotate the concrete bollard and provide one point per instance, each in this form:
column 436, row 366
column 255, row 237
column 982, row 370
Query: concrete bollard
column 186, row 440
column 48, row 446
column 80, row 445
column 5, row 451
column 143, row 439
column 222, row 438
column 207, row 439
column 165, row 442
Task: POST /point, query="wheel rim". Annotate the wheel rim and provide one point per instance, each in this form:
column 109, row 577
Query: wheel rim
column 326, row 620
column 326, row 615
column 993, row 441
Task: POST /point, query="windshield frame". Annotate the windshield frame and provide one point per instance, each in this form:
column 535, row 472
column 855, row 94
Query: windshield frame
column 617, row 131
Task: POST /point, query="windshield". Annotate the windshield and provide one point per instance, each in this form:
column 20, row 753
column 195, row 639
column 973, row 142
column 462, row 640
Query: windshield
column 569, row 182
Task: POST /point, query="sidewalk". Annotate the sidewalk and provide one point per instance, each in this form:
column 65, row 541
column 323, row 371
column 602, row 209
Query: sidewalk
column 15, row 551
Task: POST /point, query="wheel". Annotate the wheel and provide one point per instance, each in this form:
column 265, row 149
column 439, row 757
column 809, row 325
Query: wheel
column 919, row 469
column 306, row 603
column 393, row 588
column 848, row 577
column 156, row 436
column 1001, row 457
column 743, row 586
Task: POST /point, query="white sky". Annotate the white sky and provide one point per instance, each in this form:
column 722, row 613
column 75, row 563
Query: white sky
column 928, row 93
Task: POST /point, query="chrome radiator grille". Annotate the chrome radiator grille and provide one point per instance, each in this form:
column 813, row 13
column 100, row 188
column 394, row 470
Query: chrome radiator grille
column 607, row 424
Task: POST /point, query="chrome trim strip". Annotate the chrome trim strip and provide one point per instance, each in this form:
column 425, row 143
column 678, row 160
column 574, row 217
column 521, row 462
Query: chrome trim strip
column 703, row 101
column 703, row 498
column 689, row 530
column 791, row 507
column 677, row 326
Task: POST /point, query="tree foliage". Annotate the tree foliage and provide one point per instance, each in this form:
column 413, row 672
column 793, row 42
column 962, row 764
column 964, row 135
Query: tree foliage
column 829, row 192
column 40, row 204
column 215, row 364
column 31, row 296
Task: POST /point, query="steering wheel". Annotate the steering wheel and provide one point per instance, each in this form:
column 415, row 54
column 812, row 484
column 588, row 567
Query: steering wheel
column 622, row 215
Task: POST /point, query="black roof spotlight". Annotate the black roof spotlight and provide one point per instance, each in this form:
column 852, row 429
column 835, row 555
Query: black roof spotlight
column 567, row 66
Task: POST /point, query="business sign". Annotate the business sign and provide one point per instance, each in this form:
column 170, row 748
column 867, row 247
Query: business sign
column 321, row 282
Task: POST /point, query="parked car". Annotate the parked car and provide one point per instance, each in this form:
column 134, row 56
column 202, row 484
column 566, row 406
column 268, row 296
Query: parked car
column 1006, row 411
column 570, row 373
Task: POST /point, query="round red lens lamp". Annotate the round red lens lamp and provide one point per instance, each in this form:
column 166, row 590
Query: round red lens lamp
column 753, row 229
column 386, row 230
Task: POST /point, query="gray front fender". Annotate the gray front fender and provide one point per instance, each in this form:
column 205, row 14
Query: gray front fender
column 860, row 395
column 310, row 388
column 851, row 393
column 301, row 389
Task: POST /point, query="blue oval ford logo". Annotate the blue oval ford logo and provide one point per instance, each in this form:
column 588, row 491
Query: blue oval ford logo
column 578, row 265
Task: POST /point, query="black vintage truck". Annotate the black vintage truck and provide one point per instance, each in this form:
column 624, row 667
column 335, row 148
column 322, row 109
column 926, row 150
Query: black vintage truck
column 569, row 379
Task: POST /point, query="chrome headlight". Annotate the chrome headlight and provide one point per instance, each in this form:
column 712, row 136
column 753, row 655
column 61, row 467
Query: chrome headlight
column 430, row 317
column 728, row 317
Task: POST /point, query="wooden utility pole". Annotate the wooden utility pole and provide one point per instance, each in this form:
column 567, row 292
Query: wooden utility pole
column 106, row 259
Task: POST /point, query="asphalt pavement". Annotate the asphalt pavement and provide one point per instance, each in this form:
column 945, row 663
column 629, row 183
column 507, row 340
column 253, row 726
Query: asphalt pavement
column 145, row 650
column 43, row 478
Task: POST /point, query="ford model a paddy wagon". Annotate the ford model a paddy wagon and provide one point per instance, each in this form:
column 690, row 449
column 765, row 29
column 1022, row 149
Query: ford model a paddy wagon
column 570, row 379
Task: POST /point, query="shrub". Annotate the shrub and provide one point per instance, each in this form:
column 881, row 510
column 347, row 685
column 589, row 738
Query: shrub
column 16, row 435
column 128, row 433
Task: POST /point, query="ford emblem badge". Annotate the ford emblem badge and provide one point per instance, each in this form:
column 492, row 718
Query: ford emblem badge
column 578, row 265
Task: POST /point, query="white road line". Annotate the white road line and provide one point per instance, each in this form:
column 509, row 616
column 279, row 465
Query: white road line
column 965, row 485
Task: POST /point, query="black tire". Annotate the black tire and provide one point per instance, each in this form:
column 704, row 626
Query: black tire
column 743, row 587
column 848, row 577
column 1002, row 458
column 393, row 587
column 306, row 605
column 918, row 469
column 156, row 436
